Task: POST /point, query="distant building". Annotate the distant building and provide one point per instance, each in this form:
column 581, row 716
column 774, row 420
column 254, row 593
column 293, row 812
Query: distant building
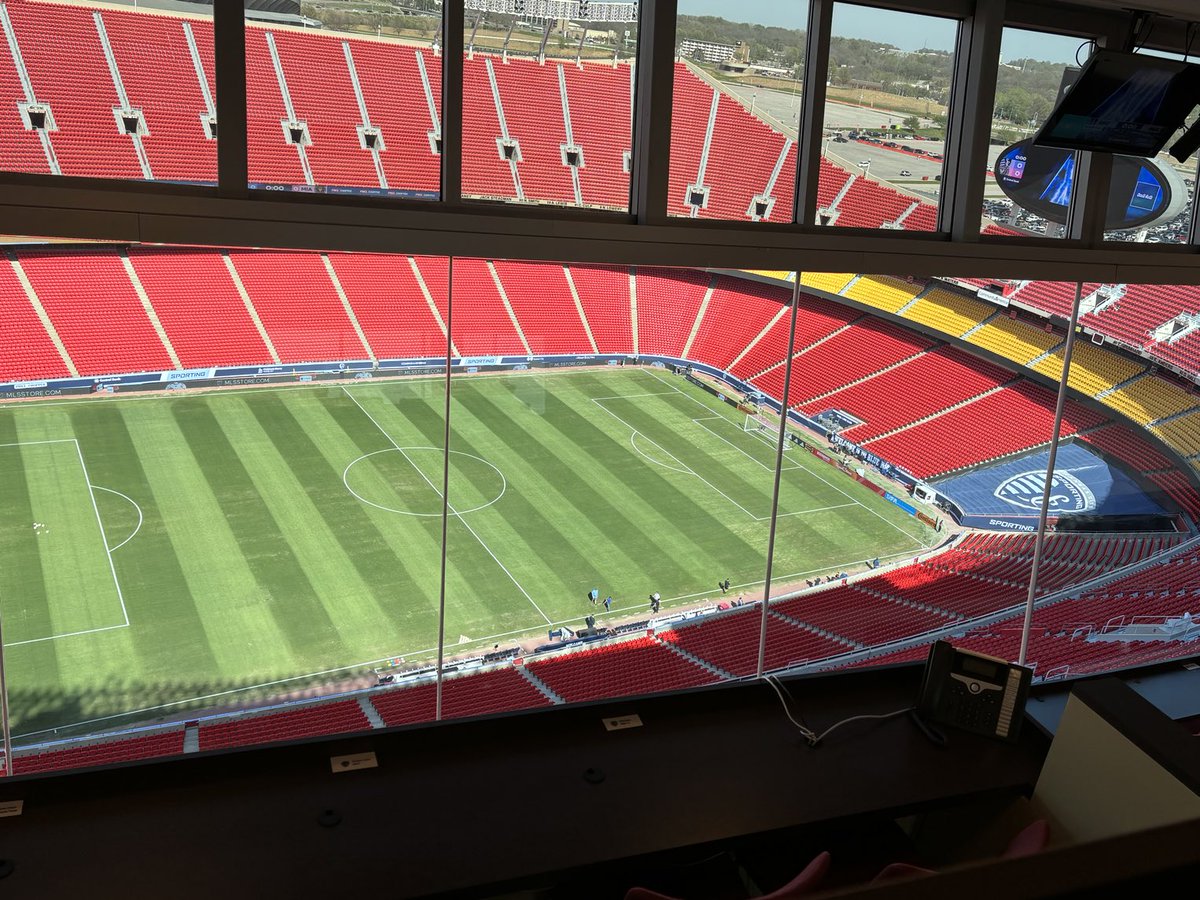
column 707, row 51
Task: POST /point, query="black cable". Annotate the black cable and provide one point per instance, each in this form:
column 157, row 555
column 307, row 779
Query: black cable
column 1079, row 49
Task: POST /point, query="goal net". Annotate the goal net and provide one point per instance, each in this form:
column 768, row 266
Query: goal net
column 761, row 426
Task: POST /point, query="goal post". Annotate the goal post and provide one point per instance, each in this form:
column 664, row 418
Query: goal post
column 755, row 423
column 764, row 427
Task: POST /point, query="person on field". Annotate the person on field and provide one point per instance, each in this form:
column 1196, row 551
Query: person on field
column 594, row 595
column 607, row 603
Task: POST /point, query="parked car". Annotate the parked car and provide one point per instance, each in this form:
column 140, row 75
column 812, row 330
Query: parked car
column 904, row 173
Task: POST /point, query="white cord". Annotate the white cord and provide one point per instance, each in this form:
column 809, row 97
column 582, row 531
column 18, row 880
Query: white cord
column 811, row 736
column 824, row 734
column 808, row 733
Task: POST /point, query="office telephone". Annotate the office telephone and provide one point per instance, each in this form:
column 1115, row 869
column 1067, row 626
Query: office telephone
column 973, row 692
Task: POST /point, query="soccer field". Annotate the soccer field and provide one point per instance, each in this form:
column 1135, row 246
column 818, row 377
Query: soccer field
column 161, row 552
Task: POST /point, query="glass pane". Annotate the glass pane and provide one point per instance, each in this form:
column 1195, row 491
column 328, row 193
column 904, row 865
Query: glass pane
column 196, row 555
column 736, row 110
column 1150, row 200
column 1028, row 191
column 548, row 106
column 952, row 437
column 349, row 105
column 108, row 93
column 885, row 119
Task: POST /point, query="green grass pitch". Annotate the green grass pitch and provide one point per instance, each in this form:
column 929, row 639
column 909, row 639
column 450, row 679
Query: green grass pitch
column 161, row 552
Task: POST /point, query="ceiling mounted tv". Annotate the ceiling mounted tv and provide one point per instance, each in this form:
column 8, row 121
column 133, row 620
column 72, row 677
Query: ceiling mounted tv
column 1123, row 103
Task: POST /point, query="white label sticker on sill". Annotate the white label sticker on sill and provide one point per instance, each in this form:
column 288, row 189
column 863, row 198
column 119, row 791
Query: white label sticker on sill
column 11, row 807
column 617, row 723
column 353, row 761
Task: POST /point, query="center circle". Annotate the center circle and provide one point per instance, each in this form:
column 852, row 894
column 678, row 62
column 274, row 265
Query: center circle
column 395, row 481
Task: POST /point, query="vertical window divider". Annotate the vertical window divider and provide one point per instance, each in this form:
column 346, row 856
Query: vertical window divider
column 229, row 47
column 970, row 120
column 655, row 72
column 779, row 445
column 812, row 110
column 441, row 635
column 453, row 18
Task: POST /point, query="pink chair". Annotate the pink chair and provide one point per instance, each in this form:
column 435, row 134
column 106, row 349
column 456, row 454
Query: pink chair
column 1029, row 840
column 804, row 883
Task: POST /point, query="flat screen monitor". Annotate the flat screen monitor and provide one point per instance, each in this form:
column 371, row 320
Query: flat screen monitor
column 1123, row 103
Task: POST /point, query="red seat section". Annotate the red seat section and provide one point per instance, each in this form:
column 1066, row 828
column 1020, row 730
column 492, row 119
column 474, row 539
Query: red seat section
column 65, row 60
column 493, row 691
column 861, row 616
column 730, row 642
column 27, row 352
column 389, row 305
column 743, row 153
column 160, row 79
column 816, row 319
column 22, row 149
column 861, row 350
column 298, row 306
column 602, row 122
column 542, row 302
column 533, row 110
column 485, row 173
column 736, row 315
column 390, row 78
column 619, row 670
column 339, row 717
column 667, row 303
column 100, row 753
column 318, row 81
column 481, row 325
column 922, row 386
column 91, row 301
column 272, row 160
column 1011, row 419
column 604, row 295
column 201, row 311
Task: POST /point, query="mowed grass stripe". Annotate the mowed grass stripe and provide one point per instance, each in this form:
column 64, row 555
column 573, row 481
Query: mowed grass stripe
column 659, row 420
column 299, row 436
column 23, row 590
column 676, row 539
column 164, row 619
column 80, row 589
column 235, row 611
column 347, row 604
column 480, row 597
column 572, row 500
column 301, row 620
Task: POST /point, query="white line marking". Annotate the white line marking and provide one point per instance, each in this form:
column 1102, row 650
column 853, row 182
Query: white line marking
column 810, row 471
column 633, row 442
column 141, row 518
column 690, row 471
column 55, row 637
column 405, row 512
column 630, row 396
column 25, row 443
column 788, row 468
column 111, row 565
column 450, row 507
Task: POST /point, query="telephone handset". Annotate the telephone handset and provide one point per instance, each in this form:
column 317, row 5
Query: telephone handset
column 973, row 692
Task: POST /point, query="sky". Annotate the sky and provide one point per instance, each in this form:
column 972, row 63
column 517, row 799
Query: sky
column 904, row 30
